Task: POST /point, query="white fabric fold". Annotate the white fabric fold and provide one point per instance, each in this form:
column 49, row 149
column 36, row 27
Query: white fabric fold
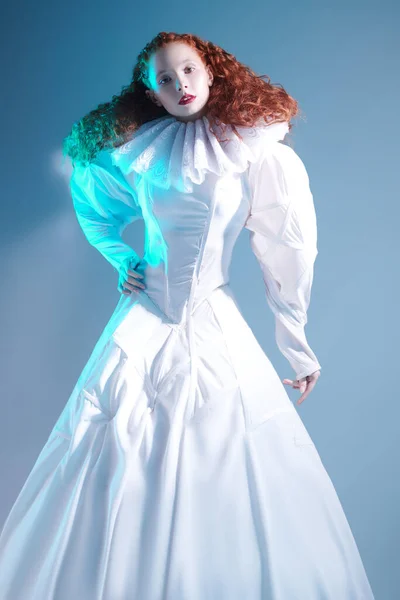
column 105, row 205
column 172, row 153
column 283, row 236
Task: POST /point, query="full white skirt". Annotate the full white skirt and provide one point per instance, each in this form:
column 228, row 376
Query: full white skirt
column 179, row 470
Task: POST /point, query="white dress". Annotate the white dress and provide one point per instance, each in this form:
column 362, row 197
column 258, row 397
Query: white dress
column 179, row 469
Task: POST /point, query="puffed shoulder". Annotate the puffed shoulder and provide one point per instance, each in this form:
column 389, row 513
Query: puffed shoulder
column 102, row 182
column 283, row 161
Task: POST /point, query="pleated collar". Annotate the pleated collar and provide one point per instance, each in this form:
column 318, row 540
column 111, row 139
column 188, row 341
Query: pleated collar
column 174, row 153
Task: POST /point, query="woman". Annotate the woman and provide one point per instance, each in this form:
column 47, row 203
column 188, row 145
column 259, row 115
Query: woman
column 179, row 469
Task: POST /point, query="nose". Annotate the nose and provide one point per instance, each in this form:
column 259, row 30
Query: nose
column 180, row 83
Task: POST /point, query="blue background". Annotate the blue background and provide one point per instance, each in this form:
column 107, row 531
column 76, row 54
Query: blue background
column 60, row 60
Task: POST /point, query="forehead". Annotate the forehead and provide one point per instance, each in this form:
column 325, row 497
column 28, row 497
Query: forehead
column 171, row 56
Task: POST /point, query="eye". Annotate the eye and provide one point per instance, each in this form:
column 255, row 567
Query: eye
column 164, row 78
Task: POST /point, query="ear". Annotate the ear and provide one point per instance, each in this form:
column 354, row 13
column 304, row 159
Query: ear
column 150, row 94
column 210, row 75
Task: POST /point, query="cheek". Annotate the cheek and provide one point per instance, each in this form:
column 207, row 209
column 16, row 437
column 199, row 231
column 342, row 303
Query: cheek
column 165, row 94
column 200, row 82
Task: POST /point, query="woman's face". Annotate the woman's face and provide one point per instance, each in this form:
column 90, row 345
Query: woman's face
column 174, row 71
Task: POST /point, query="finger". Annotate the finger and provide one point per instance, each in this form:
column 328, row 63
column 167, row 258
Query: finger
column 311, row 384
column 301, row 384
column 295, row 384
column 302, row 398
column 135, row 274
column 310, row 387
column 303, row 395
column 122, row 291
column 132, row 280
column 123, row 288
column 133, row 286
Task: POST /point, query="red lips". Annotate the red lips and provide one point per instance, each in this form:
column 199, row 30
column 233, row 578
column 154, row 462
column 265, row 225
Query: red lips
column 186, row 99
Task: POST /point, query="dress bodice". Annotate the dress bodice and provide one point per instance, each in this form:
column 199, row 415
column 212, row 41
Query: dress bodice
column 195, row 193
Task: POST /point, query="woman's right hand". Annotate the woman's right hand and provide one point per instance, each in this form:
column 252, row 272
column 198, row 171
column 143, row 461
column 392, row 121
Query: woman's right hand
column 129, row 279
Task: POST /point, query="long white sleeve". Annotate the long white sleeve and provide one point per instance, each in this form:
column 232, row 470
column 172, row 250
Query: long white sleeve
column 104, row 204
column 283, row 237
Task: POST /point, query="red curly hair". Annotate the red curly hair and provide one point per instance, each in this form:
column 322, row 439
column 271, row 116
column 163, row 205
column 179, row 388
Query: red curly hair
column 238, row 97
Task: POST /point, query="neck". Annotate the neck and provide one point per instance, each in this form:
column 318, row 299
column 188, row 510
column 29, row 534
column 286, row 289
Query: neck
column 198, row 115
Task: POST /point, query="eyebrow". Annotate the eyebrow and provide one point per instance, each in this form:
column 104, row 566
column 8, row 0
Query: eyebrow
column 182, row 63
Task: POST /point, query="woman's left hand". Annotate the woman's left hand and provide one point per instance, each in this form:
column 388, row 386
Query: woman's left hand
column 305, row 385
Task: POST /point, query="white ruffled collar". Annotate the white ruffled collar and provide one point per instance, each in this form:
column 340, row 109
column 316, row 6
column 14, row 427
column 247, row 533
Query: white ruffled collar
column 174, row 153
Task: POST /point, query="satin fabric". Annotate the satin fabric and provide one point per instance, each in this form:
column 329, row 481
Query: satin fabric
column 179, row 469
